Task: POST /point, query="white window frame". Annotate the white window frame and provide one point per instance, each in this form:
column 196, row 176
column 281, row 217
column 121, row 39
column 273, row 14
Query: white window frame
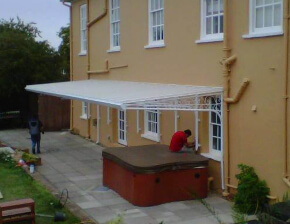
column 155, row 43
column 114, row 23
column 85, row 111
column 149, row 134
column 214, row 36
column 215, row 153
column 265, row 31
column 122, row 127
column 83, row 29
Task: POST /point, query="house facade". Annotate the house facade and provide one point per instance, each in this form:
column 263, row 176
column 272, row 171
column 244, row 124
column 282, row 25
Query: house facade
column 241, row 46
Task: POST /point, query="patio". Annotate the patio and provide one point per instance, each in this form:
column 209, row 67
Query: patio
column 74, row 163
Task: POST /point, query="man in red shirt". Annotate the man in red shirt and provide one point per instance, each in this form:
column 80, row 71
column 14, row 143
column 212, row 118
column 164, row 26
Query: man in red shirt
column 179, row 142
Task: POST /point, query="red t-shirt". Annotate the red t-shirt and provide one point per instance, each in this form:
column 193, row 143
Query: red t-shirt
column 177, row 141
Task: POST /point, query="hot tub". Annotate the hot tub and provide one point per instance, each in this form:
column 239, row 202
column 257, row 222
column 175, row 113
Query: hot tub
column 151, row 174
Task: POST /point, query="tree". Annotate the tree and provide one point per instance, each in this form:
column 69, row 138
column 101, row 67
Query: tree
column 24, row 61
column 64, row 50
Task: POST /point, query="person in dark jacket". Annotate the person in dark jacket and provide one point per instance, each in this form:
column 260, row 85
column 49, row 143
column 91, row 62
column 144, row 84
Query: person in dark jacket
column 35, row 128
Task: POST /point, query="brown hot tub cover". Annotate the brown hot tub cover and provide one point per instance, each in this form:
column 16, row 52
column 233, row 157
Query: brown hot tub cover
column 153, row 158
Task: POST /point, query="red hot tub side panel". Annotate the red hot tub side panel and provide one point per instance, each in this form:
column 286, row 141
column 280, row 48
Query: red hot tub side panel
column 170, row 183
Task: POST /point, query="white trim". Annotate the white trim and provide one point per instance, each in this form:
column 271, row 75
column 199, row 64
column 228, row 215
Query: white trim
column 98, row 124
column 84, row 117
column 210, row 40
column 212, row 156
column 83, row 28
column 83, row 53
column 213, row 37
column 85, row 111
column 149, row 134
column 114, row 50
column 109, row 115
column 197, row 145
column 176, row 117
column 215, row 152
column 155, row 45
column 151, row 137
column 123, row 130
column 258, row 35
column 267, row 31
column 114, row 22
column 138, row 121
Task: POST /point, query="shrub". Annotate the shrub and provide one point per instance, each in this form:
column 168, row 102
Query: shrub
column 252, row 192
column 7, row 159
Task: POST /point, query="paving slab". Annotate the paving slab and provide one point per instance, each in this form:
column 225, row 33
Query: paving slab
column 72, row 162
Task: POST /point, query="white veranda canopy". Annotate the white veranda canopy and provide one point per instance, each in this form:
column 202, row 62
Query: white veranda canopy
column 141, row 96
column 135, row 95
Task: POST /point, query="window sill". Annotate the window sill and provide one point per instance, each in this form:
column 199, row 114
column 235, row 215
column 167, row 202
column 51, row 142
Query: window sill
column 151, row 137
column 114, row 50
column 122, row 143
column 154, row 46
column 83, row 53
column 212, row 156
column 258, row 35
column 85, row 117
column 209, row 40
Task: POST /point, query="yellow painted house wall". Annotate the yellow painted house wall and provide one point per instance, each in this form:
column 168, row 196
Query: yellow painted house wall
column 256, row 138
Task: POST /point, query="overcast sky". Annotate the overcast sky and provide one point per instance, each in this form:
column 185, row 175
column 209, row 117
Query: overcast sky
column 49, row 16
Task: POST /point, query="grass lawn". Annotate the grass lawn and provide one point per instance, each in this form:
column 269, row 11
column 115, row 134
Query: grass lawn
column 15, row 183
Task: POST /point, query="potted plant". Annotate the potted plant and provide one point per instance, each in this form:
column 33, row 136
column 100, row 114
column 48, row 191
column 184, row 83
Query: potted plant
column 31, row 159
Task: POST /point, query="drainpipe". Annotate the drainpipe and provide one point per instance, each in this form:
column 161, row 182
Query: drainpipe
column 71, row 62
column 286, row 97
column 89, row 24
column 226, row 75
column 100, row 16
column 241, row 91
column 88, row 66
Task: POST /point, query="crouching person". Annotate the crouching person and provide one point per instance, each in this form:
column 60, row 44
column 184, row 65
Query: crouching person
column 179, row 142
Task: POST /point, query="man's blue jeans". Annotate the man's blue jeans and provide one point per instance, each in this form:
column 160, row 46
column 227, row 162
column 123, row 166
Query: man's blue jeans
column 35, row 139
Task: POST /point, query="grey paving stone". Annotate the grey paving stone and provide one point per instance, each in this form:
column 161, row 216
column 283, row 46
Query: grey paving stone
column 89, row 204
column 175, row 206
column 140, row 220
column 72, row 162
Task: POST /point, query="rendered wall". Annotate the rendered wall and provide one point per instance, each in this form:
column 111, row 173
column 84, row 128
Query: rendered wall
column 256, row 138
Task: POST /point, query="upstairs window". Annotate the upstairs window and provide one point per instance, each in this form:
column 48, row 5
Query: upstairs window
column 266, row 16
column 156, row 22
column 115, row 24
column 212, row 19
column 83, row 25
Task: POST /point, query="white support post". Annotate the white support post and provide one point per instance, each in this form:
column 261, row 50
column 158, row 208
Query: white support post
column 108, row 115
column 137, row 122
column 222, row 141
column 196, row 124
column 158, row 126
column 98, row 124
column 176, row 117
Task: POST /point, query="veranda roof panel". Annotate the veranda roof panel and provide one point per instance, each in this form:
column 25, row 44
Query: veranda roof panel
column 121, row 93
